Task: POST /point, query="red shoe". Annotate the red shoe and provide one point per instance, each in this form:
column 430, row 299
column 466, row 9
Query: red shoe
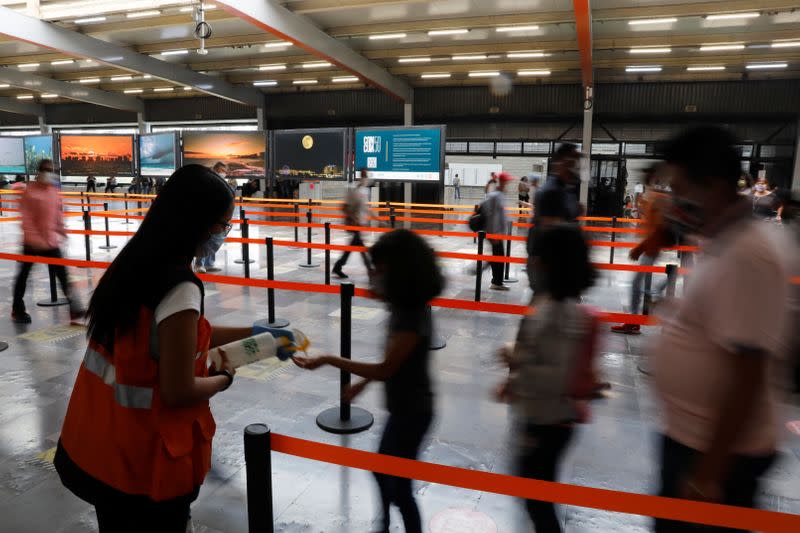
column 627, row 329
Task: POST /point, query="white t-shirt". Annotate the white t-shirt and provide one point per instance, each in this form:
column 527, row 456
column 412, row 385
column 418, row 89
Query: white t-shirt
column 737, row 298
column 183, row 296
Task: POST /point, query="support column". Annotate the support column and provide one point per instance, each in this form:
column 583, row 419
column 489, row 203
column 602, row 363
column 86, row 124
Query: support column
column 267, row 184
column 261, row 118
column 408, row 120
column 43, row 127
column 586, row 161
column 796, row 173
column 144, row 126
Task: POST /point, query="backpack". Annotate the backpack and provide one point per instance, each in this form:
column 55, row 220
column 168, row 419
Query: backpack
column 477, row 220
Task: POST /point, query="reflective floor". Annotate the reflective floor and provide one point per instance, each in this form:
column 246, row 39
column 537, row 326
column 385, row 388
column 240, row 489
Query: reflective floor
column 616, row 450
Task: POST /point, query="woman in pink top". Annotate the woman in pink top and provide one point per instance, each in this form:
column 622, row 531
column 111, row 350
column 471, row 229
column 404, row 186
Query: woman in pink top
column 42, row 229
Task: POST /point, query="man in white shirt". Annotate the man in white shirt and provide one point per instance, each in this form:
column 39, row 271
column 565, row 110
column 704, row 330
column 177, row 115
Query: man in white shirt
column 716, row 354
column 356, row 209
column 497, row 224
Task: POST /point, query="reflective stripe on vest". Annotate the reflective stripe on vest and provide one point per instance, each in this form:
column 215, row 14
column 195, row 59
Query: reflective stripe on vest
column 125, row 395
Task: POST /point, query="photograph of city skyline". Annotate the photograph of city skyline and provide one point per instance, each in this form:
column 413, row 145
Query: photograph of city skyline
column 100, row 155
column 310, row 155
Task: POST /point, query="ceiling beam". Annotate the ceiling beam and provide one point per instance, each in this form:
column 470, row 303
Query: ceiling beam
column 74, row 91
column 297, row 29
column 12, row 105
column 583, row 28
column 320, row 6
column 50, row 36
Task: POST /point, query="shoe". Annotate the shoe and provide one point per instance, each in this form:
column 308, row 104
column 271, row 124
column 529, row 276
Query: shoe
column 200, row 270
column 339, row 274
column 213, row 269
column 498, row 287
column 21, row 318
column 76, row 316
column 627, row 329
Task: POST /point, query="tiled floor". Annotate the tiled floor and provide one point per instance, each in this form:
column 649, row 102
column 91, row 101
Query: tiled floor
column 617, row 450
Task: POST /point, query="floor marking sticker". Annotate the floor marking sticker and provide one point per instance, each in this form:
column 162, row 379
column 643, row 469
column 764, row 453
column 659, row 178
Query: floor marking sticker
column 360, row 313
column 462, row 521
column 44, row 459
column 55, row 333
column 264, row 370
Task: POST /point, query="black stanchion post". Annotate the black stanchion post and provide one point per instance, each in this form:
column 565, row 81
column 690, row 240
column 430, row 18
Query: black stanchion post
column 672, row 280
column 87, row 225
column 507, row 278
column 271, row 321
column 648, row 286
column 245, row 260
column 108, row 245
column 345, row 419
column 479, row 267
column 127, row 220
column 327, row 253
column 613, row 239
column 392, row 217
column 296, row 219
column 309, row 263
column 258, row 469
column 54, row 300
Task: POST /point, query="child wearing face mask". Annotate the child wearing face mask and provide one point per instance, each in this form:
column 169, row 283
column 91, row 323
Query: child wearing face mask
column 406, row 276
column 42, row 231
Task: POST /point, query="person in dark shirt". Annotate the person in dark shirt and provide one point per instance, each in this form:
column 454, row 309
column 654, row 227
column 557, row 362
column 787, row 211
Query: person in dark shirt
column 406, row 276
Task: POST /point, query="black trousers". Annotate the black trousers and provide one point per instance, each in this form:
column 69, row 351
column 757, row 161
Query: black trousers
column 354, row 241
column 738, row 489
column 21, row 282
column 402, row 438
column 498, row 269
column 91, row 187
column 540, row 458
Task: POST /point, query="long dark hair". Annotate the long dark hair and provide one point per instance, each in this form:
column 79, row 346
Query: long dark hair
column 564, row 254
column 191, row 202
column 412, row 274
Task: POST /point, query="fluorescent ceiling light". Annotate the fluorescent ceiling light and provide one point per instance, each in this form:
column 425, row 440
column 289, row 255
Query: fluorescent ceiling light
column 460, row 31
column 163, row 89
column 89, row 20
column 134, row 91
column 524, row 55
column 345, row 79
column 24, row 97
column 510, row 29
column 89, row 80
column 652, row 68
column 316, row 64
column 4, row 86
column 49, row 95
column 720, row 47
column 277, row 44
column 705, row 69
column 785, row 44
column 265, row 83
column 650, row 50
column 121, row 78
column 484, row 74
column 187, row 88
column 472, row 57
column 764, row 66
column 271, row 68
column 187, row 9
column 414, row 60
column 644, row 22
column 62, row 62
column 539, row 72
column 382, row 36
column 304, row 82
column 28, row 65
column 147, row 76
column 174, row 52
column 435, row 76
column 732, row 16
column 142, row 14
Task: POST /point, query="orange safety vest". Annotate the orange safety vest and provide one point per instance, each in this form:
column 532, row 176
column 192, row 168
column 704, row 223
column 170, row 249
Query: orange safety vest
column 117, row 429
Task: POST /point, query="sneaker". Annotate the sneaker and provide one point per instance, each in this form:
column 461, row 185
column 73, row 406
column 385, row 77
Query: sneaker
column 21, row 318
column 200, row 270
column 627, row 329
column 498, row 287
column 213, row 269
column 339, row 274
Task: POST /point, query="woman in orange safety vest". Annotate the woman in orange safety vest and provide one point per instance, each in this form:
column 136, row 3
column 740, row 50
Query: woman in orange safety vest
column 136, row 441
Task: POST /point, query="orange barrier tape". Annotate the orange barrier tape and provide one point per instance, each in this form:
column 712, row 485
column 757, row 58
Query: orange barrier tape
column 99, row 232
column 83, row 204
column 10, row 219
column 534, row 489
column 284, row 224
column 273, row 214
column 8, row 201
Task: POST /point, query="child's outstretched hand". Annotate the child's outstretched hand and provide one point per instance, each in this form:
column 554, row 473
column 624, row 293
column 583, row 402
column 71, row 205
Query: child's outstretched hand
column 310, row 363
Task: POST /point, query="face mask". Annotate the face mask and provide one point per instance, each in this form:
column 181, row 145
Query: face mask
column 761, row 187
column 222, row 174
column 212, row 245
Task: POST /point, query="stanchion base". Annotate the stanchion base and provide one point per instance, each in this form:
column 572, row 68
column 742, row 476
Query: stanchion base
column 308, row 265
column 127, row 222
column 278, row 323
column 109, row 247
column 241, row 261
column 437, row 342
column 360, row 420
column 511, row 280
column 51, row 303
column 3, row 346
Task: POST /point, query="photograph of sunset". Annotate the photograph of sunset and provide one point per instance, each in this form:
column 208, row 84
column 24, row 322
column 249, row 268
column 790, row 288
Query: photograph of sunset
column 96, row 154
column 244, row 153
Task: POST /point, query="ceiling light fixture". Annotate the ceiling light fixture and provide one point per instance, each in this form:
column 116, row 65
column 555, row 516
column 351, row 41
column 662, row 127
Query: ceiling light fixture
column 174, row 52
column 62, row 62
column 383, row 36
column 484, row 74
column 163, row 89
column 89, row 20
column 28, row 65
column 304, row 82
column 147, row 76
column 24, row 97
column 277, row 44
column 89, row 80
column 317, row 64
column 721, row 47
column 650, row 50
column 711, row 68
column 524, row 55
column 49, row 95
column 646, row 22
column 785, row 44
column 134, row 91
column 187, row 88
column 265, row 83
column 345, row 79
column 765, row 66
column 187, row 9
column 414, row 60
column 435, row 76
column 470, row 57
column 511, row 29
column 460, row 31
column 143, row 14
column 652, row 68
column 272, row 68
column 121, row 78
column 733, row 16
column 537, row 72
column 4, row 86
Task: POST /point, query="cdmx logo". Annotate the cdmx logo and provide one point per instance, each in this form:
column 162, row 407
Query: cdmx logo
column 372, row 144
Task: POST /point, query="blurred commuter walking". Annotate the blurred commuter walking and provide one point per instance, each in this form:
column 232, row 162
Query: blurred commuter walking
column 406, row 277
column 551, row 375
column 356, row 211
column 715, row 357
column 497, row 223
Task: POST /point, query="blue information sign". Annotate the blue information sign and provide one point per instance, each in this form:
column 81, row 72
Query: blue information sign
column 402, row 154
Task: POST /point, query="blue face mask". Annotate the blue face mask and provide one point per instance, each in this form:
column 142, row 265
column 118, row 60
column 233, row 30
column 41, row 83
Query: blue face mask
column 212, row 245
